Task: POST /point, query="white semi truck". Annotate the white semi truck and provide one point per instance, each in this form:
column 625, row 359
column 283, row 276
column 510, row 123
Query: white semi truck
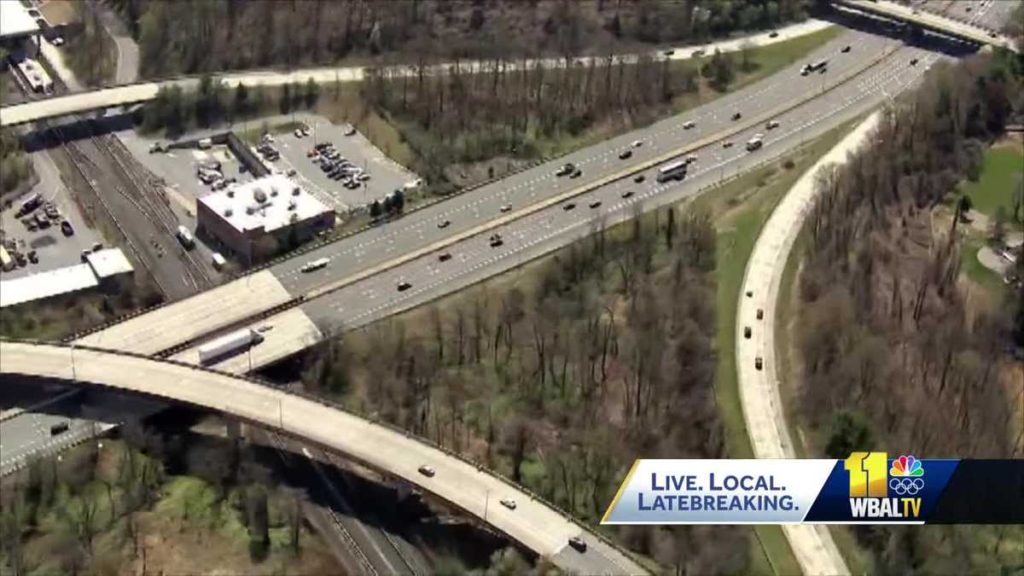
column 228, row 344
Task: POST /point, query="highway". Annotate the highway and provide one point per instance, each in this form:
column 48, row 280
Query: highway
column 461, row 483
column 474, row 212
column 115, row 96
column 372, row 296
column 968, row 31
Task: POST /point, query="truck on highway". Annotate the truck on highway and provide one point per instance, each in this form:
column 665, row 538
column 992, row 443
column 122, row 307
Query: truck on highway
column 315, row 264
column 673, row 171
column 754, row 143
column 228, row 344
column 816, row 66
column 185, row 237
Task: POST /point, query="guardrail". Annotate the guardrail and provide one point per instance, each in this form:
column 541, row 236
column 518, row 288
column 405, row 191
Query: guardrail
column 334, row 406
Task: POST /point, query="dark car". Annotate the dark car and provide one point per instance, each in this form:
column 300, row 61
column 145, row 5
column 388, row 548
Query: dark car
column 845, row 49
column 576, row 173
column 565, row 170
column 627, row 194
column 758, row 363
column 669, row 52
column 444, row 257
column 403, row 286
column 33, row 257
column 774, row 34
column 760, row 314
column 736, row 116
column 625, row 154
column 639, row 178
column 496, row 240
column 595, row 204
column 59, row 428
column 913, row 61
column 568, row 206
column 578, row 544
column 746, row 331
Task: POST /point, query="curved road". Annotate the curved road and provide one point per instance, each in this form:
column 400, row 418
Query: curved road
column 469, row 487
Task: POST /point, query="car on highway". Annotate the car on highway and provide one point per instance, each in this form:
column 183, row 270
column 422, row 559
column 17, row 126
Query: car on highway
column 444, row 257
column 427, row 471
column 669, row 52
column 350, row 130
column 506, row 208
column 508, row 503
column 59, row 428
column 568, row 206
column 637, row 143
column 758, row 363
column 774, row 34
column 698, row 53
column 496, row 240
column 691, row 158
column 913, row 61
column 772, row 124
column 625, row 154
column 736, row 116
column 66, row 228
column 444, row 224
column 565, row 169
column 727, row 144
column 403, row 286
column 760, row 314
column 578, row 544
column 314, row 265
column 689, row 124
column 627, row 194
column 845, row 49
column 746, row 331
column 576, row 173
column 595, row 204
column 639, row 178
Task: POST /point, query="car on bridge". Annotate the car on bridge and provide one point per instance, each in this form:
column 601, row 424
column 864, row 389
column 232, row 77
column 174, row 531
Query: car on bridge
column 579, row 544
column 427, row 471
column 508, row 503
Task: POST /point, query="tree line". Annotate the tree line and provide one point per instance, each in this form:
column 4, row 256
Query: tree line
column 177, row 110
column 15, row 166
column 892, row 357
column 193, row 36
column 600, row 354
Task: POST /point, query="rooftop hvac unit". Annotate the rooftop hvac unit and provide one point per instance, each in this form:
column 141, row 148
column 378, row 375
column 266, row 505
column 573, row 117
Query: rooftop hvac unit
column 291, row 204
column 231, row 193
column 259, row 195
column 295, row 191
column 228, row 213
column 273, row 192
column 250, row 210
column 293, row 217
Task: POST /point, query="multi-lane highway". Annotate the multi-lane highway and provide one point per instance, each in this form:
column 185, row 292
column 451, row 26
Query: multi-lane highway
column 467, row 486
column 367, row 267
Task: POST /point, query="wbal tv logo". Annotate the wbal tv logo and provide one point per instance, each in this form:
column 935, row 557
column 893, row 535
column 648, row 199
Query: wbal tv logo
column 880, row 491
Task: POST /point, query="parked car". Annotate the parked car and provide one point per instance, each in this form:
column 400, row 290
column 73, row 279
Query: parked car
column 66, row 228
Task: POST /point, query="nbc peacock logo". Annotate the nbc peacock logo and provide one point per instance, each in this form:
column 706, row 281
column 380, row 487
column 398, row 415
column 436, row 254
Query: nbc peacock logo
column 906, row 476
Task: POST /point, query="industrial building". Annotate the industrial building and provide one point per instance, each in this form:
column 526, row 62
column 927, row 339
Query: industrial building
column 108, row 270
column 256, row 220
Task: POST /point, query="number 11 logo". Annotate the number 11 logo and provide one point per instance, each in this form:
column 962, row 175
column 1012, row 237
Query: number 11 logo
column 869, row 474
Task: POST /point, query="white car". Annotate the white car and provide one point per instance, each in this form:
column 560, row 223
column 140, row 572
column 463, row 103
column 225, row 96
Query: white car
column 315, row 264
column 772, row 124
column 508, row 503
column 689, row 124
column 506, row 208
column 427, row 471
column 299, row 133
column 638, row 143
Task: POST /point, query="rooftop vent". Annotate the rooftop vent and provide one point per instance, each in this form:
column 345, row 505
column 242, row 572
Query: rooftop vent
column 250, row 210
column 291, row 204
column 295, row 191
column 231, row 193
column 228, row 213
column 259, row 195
column 293, row 217
column 273, row 192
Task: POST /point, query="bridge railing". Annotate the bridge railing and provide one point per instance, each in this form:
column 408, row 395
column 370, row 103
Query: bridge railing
column 372, row 419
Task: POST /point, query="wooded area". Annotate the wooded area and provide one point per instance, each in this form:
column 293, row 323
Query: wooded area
column 100, row 508
column 596, row 356
column 204, row 36
column 892, row 358
column 15, row 166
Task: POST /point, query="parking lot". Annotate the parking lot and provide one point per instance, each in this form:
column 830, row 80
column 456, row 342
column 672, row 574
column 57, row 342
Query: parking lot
column 40, row 232
column 385, row 175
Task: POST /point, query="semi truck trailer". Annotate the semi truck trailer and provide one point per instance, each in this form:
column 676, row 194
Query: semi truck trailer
column 227, row 345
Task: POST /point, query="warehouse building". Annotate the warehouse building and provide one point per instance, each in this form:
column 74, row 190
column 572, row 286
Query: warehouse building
column 258, row 219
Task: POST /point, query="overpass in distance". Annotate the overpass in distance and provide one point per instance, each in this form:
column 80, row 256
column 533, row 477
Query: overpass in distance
column 471, row 487
column 930, row 21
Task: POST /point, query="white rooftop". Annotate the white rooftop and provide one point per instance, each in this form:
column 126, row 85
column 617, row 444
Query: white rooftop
column 269, row 203
column 46, row 284
column 109, row 262
column 15, row 20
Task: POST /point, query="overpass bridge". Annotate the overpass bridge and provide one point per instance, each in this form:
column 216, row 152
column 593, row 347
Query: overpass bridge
column 929, row 21
column 534, row 523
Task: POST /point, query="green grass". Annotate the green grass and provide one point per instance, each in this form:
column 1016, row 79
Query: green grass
column 741, row 208
column 253, row 135
column 1003, row 167
column 973, row 267
column 770, row 59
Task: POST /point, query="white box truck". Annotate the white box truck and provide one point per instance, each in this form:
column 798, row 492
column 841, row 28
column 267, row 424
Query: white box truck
column 228, row 344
